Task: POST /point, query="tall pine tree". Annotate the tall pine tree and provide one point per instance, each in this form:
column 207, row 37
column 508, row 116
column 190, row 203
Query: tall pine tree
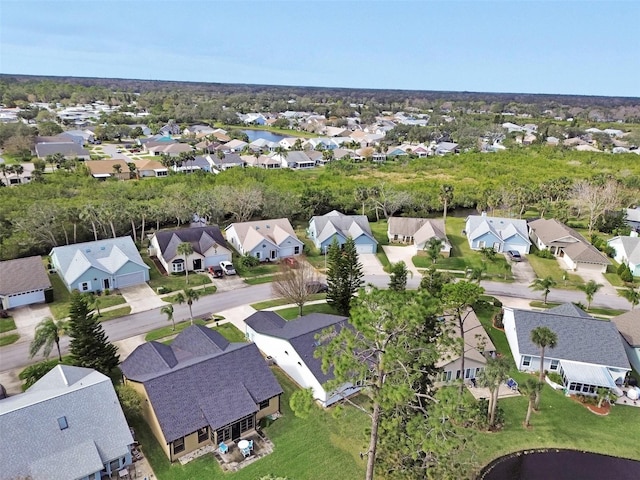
column 344, row 275
column 89, row 345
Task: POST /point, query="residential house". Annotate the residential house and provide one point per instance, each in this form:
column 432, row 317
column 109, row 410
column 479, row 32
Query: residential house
column 262, row 145
column 418, row 232
column 67, row 425
column 229, row 160
column 103, row 169
column 262, row 161
column 207, row 146
column 478, row 347
column 150, row 168
column 23, row 281
column 234, row 146
column 443, row 148
column 166, row 148
column 16, row 177
column 292, row 346
column 267, row 240
column 294, row 159
column 171, row 128
column 201, row 390
column 567, row 244
column 288, row 143
column 67, row 149
column 628, row 324
column 253, row 118
column 632, row 218
column 588, row 354
column 209, row 248
column 198, row 130
column 324, row 229
column 499, row 233
column 100, row 265
column 627, row 251
column 81, row 137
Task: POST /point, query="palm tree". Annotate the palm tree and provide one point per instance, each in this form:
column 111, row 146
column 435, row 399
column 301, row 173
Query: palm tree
column 632, row 295
column 590, row 288
column 495, row 372
column 133, row 170
column 433, row 248
column 543, row 337
column 168, row 311
column 446, row 195
column 48, row 332
column 531, row 389
column 117, row 169
column 185, row 249
column 543, row 284
column 190, row 295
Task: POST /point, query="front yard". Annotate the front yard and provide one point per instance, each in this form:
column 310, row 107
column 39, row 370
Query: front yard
column 171, row 283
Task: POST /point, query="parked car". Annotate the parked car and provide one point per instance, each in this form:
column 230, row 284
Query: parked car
column 514, row 255
column 216, row 271
column 227, row 268
column 317, row 287
column 291, row 262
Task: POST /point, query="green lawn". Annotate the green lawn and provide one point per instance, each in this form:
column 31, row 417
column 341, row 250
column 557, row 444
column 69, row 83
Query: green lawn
column 172, row 283
column 115, row 313
column 210, row 290
column 548, row 267
column 283, row 301
column 227, row 330
column 379, row 230
column 110, row 300
column 610, row 312
column 9, row 339
column 259, row 280
column 257, row 271
column 7, row 324
column 320, row 447
column 291, row 313
column 61, row 296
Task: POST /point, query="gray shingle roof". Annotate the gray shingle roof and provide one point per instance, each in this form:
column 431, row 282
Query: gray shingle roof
column 346, row 225
column 200, row 238
column 200, row 380
column 581, row 338
column 23, row 275
column 628, row 324
column 300, row 333
column 68, row 149
column 33, row 444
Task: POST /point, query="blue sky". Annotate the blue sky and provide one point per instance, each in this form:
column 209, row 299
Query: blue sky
column 568, row 47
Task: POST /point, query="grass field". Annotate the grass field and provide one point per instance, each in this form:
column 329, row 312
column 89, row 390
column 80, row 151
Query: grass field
column 7, row 324
column 291, row 313
column 548, row 267
column 172, row 283
column 8, row 339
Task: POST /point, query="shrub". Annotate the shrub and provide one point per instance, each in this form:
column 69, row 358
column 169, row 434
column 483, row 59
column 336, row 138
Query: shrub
column 555, row 377
column 626, row 275
column 545, row 253
column 497, row 319
column 248, row 261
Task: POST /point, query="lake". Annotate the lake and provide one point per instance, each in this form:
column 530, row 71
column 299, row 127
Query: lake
column 257, row 134
column 560, row 465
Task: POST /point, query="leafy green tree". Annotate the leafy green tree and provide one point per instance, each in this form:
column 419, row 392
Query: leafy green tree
column 35, row 372
column 433, row 280
column 344, row 275
column 632, row 295
column 130, row 400
column 590, row 289
column 48, row 333
column 302, row 402
column 391, row 350
column 543, row 284
column 89, row 344
column 189, row 297
column 399, row 274
column 488, row 253
column 433, row 248
column 185, row 249
column 457, row 299
column 168, row 311
column 530, row 389
column 495, row 372
column 543, row 337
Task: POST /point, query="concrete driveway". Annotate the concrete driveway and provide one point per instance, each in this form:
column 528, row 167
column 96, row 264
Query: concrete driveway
column 597, row 277
column 141, row 298
column 370, row 264
column 28, row 317
column 522, row 271
column 405, row 254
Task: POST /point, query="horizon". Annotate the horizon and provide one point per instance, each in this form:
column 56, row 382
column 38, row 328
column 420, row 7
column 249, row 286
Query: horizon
column 571, row 47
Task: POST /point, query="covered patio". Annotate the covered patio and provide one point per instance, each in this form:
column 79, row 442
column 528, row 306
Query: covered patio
column 234, row 460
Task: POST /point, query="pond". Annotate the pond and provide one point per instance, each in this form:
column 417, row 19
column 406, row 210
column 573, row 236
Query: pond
column 257, row 134
column 560, row 465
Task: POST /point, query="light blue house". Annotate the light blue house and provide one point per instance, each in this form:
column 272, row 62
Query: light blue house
column 100, row 265
column 335, row 225
column 501, row 234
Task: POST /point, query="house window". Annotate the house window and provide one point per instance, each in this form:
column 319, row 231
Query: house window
column 223, row 434
column 296, row 250
column 526, row 361
column 264, row 404
column 246, row 423
column 482, row 244
column 177, row 266
column 554, row 365
column 258, row 255
column 84, row 286
column 62, row 423
column 203, row 435
column 178, row 445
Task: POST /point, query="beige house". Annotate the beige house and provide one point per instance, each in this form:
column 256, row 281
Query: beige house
column 171, row 149
column 418, row 232
column 150, row 168
column 103, row 169
column 201, row 390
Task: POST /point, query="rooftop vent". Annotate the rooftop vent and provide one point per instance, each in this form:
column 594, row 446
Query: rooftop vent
column 62, row 423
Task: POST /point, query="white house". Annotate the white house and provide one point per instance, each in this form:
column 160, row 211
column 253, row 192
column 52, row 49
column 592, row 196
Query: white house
column 589, row 352
column 267, row 240
column 628, row 324
column 23, row 281
column 209, row 248
column 499, row 233
column 418, row 232
column 627, row 251
column 292, row 344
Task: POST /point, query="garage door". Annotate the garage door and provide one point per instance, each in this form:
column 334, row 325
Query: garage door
column 364, row 248
column 216, row 259
column 590, row 267
column 129, row 279
column 26, row 299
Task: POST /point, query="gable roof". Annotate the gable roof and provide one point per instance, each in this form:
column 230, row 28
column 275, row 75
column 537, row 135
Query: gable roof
column 105, row 167
column 200, row 380
column 300, row 333
column 475, row 338
column 633, row 214
column 421, row 229
column 630, row 248
column 345, row 225
column 581, row 338
column 68, row 149
column 39, row 449
column 22, row 275
column 574, row 245
column 200, row 238
column 502, row 228
column 275, row 231
column 108, row 255
column 628, row 325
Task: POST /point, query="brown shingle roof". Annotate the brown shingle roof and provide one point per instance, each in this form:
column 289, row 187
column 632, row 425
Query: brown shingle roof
column 23, row 275
column 628, row 325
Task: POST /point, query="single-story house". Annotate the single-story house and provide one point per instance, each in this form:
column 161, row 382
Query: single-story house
column 323, row 229
column 267, row 240
column 294, row 159
column 171, row 149
column 478, row 347
column 589, row 352
column 263, row 161
column 201, row 390
column 418, row 232
column 628, row 324
column 23, row 281
column 68, row 149
column 229, row 160
column 499, row 233
column 103, row 169
column 627, row 251
column 443, row 148
column 632, row 217
column 209, row 248
column 235, row 145
column 565, row 243
column 69, row 424
column 150, row 168
column 100, row 265
column 292, row 345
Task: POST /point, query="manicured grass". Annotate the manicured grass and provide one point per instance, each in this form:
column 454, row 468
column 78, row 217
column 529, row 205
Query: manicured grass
column 257, row 271
column 9, row 339
column 319, row 447
column 379, row 230
column 107, row 301
column 614, row 279
column 115, row 313
column 610, row 312
column 168, row 331
column 61, row 296
column 548, row 267
column 172, row 283
column 210, row 290
column 259, row 280
column 7, row 324
column 283, row 301
column 291, row 313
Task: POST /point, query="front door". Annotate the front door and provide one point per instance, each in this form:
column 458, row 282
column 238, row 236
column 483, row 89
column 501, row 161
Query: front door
column 235, row 431
column 106, row 284
column 197, row 264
